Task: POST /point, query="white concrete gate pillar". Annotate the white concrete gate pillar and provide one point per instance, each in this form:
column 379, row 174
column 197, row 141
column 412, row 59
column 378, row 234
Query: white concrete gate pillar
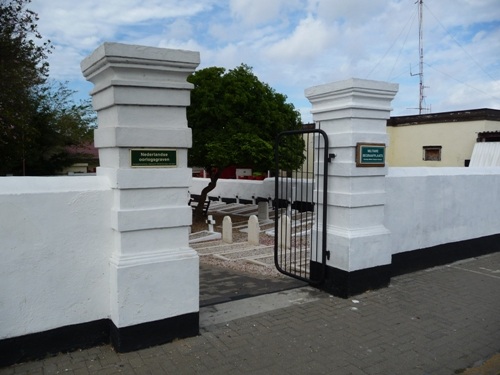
column 351, row 112
column 140, row 95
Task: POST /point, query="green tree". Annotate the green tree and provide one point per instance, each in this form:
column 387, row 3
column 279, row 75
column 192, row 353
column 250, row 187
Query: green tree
column 22, row 66
column 56, row 124
column 235, row 119
column 37, row 119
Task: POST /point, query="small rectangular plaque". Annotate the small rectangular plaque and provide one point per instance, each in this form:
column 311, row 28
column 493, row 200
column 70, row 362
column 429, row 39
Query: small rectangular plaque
column 153, row 158
column 370, row 155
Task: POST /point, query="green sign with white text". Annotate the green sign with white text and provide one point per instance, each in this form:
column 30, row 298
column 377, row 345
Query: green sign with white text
column 153, row 158
column 370, row 155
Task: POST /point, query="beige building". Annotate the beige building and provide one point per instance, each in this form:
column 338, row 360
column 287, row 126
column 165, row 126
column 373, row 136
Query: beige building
column 443, row 139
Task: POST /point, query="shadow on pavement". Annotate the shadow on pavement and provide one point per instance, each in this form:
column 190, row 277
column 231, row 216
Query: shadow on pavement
column 219, row 285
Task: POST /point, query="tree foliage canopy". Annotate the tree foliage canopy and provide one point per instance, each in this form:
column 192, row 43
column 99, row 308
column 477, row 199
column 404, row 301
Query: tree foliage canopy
column 38, row 119
column 235, row 119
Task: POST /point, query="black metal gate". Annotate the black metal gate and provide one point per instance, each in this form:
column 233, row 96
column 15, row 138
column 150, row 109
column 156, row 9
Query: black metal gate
column 300, row 230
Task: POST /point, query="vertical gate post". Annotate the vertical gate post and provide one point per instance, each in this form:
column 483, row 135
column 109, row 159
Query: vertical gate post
column 351, row 112
column 140, row 95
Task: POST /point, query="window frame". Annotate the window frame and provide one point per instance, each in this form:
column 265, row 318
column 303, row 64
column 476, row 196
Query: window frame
column 427, row 150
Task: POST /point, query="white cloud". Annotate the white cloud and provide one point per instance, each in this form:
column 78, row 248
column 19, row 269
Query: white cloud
column 260, row 12
column 309, row 39
column 474, row 95
column 295, row 44
column 76, row 28
column 356, row 12
column 93, row 17
column 180, row 28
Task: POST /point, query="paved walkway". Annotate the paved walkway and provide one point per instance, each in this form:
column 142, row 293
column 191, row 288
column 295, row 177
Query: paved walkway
column 438, row 321
column 219, row 285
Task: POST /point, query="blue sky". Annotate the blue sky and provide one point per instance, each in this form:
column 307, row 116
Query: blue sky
column 296, row 44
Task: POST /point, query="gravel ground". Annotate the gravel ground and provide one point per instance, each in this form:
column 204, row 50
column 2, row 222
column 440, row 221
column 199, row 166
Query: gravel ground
column 241, row 265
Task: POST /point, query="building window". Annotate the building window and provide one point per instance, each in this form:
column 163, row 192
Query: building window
column 432, row 153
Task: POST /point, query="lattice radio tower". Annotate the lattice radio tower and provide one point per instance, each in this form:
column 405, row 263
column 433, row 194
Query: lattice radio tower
column 421, row 100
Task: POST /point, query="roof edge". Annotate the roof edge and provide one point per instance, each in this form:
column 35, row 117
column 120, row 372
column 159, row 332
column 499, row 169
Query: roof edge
column 452, row 116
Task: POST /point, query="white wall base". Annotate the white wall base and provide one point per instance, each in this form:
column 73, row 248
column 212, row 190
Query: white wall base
column 147, row 287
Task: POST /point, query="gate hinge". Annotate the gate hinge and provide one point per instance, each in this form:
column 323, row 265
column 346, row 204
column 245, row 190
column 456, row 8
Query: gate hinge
column 331, row 157
column 327, row 254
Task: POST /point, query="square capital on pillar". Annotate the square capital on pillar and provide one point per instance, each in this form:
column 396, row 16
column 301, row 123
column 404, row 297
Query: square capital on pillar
column 126, row 62
column 351, row 95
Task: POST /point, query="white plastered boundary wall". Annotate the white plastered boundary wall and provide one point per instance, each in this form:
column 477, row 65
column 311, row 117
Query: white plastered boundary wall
column 424, row 207
column 230, row 189
column 55, row 247
column 248, row 189
column 427, row 207
column 58, row 235
column 56, row 239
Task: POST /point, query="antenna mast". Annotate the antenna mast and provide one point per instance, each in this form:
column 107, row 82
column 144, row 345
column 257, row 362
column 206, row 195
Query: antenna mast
column 421, row 57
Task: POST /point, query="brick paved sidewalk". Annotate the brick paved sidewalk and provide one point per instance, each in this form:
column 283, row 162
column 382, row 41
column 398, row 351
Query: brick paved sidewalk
column 438, row 321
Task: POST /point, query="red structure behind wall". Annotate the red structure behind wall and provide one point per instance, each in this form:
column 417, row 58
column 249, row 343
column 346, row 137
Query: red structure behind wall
column 231, row 172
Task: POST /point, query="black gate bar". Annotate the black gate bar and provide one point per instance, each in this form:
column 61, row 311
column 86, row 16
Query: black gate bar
column 296, row 262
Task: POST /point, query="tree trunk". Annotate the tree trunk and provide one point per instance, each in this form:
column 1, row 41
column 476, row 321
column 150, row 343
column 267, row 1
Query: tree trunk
column 198, row 211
